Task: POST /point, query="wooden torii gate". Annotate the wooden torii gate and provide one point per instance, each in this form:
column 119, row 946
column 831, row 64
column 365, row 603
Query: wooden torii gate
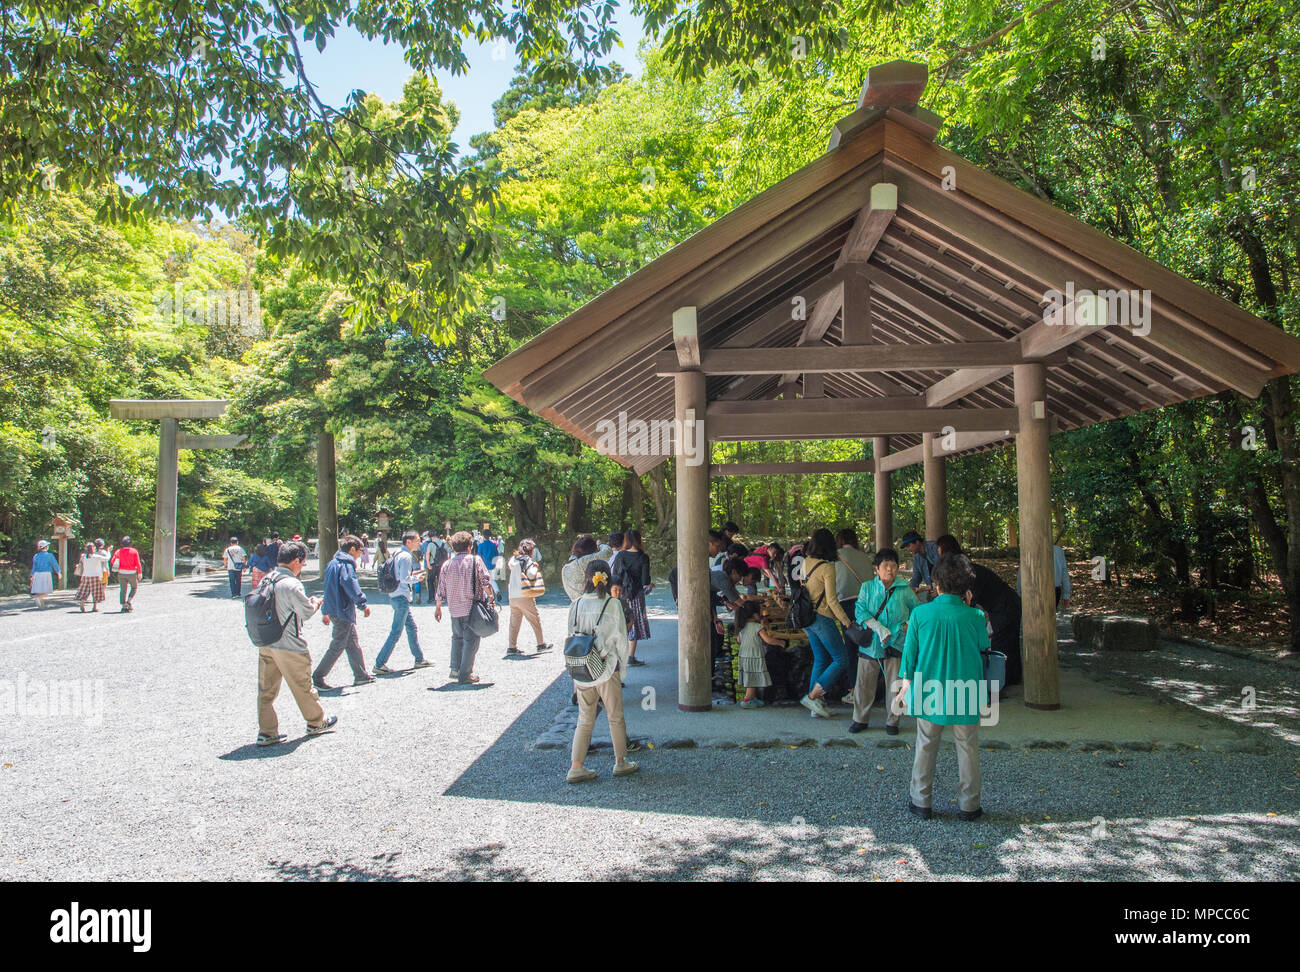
column 170, row 441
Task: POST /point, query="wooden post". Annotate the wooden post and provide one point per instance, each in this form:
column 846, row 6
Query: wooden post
column 936, row 488
column 1038, row 596
column 63, row 562
column 164, row 514
column 327, row 517
column 884, row 500
column 694, row 614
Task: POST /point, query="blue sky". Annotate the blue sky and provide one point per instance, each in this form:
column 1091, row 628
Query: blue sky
column 351, row 61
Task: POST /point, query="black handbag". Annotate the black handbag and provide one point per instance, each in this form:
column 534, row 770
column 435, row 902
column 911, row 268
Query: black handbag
column 483, row 619
column 860, row 635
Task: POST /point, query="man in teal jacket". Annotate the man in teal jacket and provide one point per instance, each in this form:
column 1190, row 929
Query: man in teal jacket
column 942, row 680
column 884, row 604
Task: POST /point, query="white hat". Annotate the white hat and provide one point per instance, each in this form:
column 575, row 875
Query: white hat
column 42, row 545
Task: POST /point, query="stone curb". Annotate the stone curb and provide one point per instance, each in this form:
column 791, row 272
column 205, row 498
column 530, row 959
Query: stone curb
column 1248, row 746
column 1235, row 652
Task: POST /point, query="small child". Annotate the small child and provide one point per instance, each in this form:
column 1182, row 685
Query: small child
column 753, row 666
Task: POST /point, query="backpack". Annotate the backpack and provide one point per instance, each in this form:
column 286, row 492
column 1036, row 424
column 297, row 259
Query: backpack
column 803, row 612
column 441, row 555
column 387, row 575
column 260, row 617
column 531, row 583
column 628, row 576
column 583, row 658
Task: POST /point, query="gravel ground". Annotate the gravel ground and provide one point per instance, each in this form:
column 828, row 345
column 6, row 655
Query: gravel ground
column 1246, row 691
column 426, row 780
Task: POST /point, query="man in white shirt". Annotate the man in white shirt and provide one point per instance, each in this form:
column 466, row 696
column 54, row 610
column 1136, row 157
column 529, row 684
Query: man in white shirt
column 1060, row 577
column 852, row 570
column 401, row 601
column 234, row 558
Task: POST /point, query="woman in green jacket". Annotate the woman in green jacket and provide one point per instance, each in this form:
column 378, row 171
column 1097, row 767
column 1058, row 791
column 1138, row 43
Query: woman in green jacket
column 943, row 681
column 884, row 604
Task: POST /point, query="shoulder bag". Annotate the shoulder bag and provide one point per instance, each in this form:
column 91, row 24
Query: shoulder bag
column 483, row 619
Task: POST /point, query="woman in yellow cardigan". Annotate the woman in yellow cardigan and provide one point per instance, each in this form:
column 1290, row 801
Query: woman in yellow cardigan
column 830, row 655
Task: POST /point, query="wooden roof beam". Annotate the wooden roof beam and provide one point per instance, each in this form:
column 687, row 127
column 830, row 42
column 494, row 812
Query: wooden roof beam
column 686, row 338
column 1237, row 366
column 791, row 468
column 965, row 442
column 778, row 420
column 868, row 228
column 872, row 357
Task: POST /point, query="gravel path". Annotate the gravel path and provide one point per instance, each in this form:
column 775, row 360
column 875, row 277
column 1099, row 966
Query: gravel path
column 425, row 780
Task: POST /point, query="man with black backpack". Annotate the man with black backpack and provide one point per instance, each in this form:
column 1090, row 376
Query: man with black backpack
column 280, row 604
column 434, row 553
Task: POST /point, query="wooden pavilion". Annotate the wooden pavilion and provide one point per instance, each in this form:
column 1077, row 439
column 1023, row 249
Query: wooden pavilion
column 888, row 290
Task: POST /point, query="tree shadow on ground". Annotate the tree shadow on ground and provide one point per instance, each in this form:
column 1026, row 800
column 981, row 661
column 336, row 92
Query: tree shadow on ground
column 840, row 813
column 1247, row 692
column 480, row 863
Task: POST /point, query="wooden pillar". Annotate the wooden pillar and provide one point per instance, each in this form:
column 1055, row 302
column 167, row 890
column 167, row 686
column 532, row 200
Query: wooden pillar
column 694, row 614
column 1038, row 595
column 936, row 488
column 164, row 511
column 63, row 562
column 327, row 517
column 884, row 499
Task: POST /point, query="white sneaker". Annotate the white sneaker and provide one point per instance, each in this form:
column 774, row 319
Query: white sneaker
column 819, row 709
column 848, row 699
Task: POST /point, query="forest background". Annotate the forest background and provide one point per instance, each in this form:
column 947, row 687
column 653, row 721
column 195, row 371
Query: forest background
column 359, row 284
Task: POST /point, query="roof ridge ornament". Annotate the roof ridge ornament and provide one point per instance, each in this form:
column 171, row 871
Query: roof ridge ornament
column 893, row 90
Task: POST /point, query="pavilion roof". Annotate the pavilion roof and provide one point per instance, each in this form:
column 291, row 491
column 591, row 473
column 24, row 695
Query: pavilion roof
column 922, row 279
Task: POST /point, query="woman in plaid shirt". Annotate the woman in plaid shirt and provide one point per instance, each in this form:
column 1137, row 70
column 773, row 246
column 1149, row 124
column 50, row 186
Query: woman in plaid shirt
column 456, row 585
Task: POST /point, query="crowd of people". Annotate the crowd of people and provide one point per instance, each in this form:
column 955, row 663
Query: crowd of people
column 870, row 624
column 95, row 565
column 606, row 584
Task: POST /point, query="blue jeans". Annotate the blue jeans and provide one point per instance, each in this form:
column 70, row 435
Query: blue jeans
column 830, row 657
column 401, row 619
column 236, row 581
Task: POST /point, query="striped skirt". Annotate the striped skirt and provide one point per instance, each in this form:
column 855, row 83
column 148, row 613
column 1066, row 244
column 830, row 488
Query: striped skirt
column 638, row 625
column 91, row 588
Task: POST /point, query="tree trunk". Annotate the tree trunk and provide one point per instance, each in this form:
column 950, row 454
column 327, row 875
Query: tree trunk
column 577, row 510
column 665, row 507
column 638, row 502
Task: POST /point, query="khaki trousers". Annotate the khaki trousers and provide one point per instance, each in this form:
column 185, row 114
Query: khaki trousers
column 520, row 608
column 928, row 737
column 275, row 665
column 864, row 689
column 610, row 692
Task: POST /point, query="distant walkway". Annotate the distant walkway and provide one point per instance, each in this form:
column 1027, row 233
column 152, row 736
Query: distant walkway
column 1212, row 681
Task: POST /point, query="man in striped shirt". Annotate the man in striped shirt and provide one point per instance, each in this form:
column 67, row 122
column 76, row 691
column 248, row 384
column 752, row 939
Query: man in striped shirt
column 460, row 578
